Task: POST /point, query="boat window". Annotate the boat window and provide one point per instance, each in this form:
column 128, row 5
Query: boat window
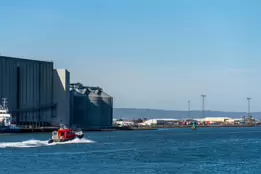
column 54, row 133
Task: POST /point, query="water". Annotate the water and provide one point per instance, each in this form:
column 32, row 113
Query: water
column 209, row 150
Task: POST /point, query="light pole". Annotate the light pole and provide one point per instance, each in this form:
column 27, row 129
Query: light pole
column 203, row 105
column 249, row 106
column 189, row 109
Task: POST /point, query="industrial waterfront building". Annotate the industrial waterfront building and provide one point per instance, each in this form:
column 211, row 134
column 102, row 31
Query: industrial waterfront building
column 90, row 107
column 39, row 95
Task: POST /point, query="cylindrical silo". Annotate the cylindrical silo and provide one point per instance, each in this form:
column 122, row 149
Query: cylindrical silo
column 93, row 110
column 79, row 110
column 107, row 110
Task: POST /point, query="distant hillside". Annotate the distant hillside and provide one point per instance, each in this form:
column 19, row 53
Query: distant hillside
column 127, row 113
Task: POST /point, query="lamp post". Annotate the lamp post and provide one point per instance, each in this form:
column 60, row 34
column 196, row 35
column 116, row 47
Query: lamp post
column 249, row 107
column 203, row 105
column 189, row 109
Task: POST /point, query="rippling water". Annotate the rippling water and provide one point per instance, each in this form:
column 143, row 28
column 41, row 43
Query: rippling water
column 206, row 150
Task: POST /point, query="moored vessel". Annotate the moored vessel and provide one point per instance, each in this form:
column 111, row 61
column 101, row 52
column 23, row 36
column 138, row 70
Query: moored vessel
column 7, row 125
column 65, row 134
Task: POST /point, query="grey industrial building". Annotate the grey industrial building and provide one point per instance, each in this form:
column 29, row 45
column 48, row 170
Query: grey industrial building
column 39, row 96
column 90, row 107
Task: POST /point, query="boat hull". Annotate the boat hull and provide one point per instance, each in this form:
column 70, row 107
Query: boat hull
column 64, row 140
column 9, row 130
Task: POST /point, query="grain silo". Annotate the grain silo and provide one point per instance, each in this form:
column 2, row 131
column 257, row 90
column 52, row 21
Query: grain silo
column 78, row 108
column 106, row 110
column 94, row 106
column 98, row 107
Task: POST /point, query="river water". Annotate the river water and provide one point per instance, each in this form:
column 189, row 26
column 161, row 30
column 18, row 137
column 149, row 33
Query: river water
column 164, row 151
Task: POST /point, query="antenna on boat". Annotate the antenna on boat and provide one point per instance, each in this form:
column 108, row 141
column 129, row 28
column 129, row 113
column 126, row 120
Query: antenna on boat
column 4, row 101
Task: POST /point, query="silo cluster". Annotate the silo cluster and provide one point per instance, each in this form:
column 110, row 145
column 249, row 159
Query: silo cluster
column 91, row 107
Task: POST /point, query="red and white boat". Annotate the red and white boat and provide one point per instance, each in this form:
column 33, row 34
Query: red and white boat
column 65, row 134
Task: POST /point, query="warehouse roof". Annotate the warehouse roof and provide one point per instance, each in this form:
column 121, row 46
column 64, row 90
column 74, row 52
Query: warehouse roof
column 23, row 59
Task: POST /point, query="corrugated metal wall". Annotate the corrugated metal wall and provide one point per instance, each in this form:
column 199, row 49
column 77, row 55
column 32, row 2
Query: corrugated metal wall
column 8, row 81
column 28, row 86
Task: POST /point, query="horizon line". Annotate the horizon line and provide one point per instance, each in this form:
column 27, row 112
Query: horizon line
column 186, row 110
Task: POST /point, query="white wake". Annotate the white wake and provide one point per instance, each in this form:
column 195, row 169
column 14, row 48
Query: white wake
column 39, row 143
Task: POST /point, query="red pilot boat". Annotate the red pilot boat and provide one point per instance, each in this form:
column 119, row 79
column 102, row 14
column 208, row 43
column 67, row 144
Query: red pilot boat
column 65, row 134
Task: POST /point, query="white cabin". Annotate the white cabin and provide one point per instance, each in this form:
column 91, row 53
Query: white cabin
column 5, row 116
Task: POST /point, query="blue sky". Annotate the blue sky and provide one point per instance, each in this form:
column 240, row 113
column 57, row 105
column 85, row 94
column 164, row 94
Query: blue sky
column 145, row 53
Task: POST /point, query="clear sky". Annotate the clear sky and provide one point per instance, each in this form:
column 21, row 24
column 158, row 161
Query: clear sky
column 145, row 53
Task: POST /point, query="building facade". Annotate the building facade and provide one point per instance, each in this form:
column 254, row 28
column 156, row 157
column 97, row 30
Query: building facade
column 61, row 97
column 28, row 86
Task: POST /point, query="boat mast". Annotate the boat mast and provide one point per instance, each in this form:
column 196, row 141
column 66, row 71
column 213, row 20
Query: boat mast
column 4, row 101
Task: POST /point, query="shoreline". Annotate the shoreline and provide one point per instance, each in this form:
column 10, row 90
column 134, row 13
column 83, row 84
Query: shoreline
column 113, row 129
column 185, row 127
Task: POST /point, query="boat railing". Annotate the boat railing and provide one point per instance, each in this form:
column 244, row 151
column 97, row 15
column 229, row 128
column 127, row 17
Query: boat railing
column 62, row 126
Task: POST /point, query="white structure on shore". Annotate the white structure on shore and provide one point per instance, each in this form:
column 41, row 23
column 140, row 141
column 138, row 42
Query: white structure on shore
column 158, row 121
column 123, row 123
column 214, row 119
column 218, row 119
column 188, row 121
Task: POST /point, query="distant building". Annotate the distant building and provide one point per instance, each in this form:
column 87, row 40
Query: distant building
column 123, row 123
column 159, row 121
column 214, row 119
column 225, row 120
